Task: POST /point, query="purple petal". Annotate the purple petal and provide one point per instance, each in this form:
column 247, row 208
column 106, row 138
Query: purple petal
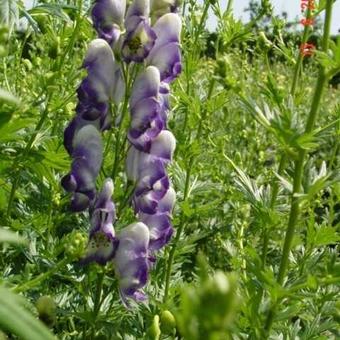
column 167, row 203
column 168, row 60
column 140, row 8
column 107, row 12
column 168, row 29
column 131, row 260
column 160, row 229
column 163, row 146
column 146, row 85
column 135, row 161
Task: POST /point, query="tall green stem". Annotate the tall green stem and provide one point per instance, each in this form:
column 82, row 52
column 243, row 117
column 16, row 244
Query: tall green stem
column 283, row 160
column 118, row 147
column 298, row 170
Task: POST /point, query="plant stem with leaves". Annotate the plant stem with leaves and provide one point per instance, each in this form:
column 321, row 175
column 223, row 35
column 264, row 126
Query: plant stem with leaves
column 299, row 167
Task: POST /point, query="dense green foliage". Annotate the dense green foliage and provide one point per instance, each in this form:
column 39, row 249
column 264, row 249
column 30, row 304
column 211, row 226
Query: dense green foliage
column 239, row 117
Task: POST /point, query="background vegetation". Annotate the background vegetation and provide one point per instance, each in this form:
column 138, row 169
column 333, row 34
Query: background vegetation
column 239, row 113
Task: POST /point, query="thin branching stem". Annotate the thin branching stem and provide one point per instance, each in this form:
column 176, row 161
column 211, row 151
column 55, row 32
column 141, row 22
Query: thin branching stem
column 299, row 166
column 283, row 158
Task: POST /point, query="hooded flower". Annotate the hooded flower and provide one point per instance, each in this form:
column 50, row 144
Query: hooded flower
column 132, row 261
column 165, row 54
column 102, row 244
column 147, row 120
column 95, row 91
column 140, row 37
column 108, row 17
column 87, row 154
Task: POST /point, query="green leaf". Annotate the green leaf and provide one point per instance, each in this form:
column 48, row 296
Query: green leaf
column 17, row 320
column 9, row 13
column 326, row 235
column 51, row 9
column 8, row 97
column 10, row 237
column 8, row 132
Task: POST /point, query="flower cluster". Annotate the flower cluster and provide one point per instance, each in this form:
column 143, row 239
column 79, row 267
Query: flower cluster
column 82, row 138
column 147, row 32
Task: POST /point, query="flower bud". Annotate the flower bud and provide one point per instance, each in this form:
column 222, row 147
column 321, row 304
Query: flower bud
column 265, row 40
column 154, row 331
column 168, row 322
column 46, row 308
column 75, row 245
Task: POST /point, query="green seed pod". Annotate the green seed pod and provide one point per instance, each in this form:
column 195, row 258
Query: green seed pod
column 168, row 322
column 46, row 308
column 154, row 331
column 3, row 51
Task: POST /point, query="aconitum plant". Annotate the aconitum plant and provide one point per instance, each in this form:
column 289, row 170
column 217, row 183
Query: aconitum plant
column 195, row 194
column 126, row 40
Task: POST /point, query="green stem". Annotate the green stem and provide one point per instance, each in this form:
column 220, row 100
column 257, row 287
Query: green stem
column 229, row 6
column 42, row 277
column 74, row 34
column 200, row 26
column 97, row 302
column 283, row 160
column 118, row 134
column 298, row 170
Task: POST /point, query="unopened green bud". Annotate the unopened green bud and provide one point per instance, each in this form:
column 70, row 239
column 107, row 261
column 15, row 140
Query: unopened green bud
column 266, row 7
column 168, row 322
column 265, row 40
column 75, row 245
column 3, row 51
column 46, row 308
column 69, row 109
column 154, row 331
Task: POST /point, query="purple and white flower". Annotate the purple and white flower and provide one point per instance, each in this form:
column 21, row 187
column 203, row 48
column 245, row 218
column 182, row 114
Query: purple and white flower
column 102, row 243
column 132, row 261
column 82, row 137
column 165, row 54
column 108, row 18
column 140, row 37
column 151, row 151
column 146, row 118
column 87, row 154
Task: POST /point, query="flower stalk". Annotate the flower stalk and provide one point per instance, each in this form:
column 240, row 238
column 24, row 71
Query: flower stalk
column 299, row 166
